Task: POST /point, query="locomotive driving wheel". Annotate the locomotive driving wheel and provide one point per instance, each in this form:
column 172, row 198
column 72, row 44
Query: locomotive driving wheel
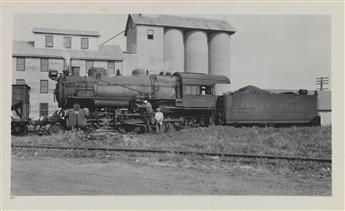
column 54, row 129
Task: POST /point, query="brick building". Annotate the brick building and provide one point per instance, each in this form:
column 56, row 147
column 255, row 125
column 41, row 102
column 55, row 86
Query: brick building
column 54, row 49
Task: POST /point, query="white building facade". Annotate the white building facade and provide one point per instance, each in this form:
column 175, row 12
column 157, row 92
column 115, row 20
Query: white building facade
column 55, row 49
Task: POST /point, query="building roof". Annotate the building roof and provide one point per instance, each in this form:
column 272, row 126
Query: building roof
column 66, row 31
column 180, row 22
column 325, row 101
column 106, row 52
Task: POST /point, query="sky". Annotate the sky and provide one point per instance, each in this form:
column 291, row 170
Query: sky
column 267, row 51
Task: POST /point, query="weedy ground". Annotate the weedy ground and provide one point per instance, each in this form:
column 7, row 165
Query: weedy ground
column 292, row 141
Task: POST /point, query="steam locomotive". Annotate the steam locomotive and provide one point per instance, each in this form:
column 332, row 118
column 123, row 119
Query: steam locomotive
column 186, row 99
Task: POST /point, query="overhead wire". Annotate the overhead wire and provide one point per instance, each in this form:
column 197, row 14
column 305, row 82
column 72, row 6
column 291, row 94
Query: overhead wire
column 112, row 38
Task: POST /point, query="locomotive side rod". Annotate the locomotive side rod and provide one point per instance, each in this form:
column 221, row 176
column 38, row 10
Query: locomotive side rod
column 143, row 150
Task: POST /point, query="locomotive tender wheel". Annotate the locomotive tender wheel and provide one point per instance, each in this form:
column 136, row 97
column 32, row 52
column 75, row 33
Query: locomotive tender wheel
column 55, row 129
column 19, row 129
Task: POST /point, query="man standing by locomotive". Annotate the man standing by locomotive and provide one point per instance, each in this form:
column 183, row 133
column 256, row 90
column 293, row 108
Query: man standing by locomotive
column 147, row 113
column 159, row 117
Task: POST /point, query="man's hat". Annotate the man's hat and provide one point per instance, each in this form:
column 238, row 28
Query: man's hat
column 145, row 101
column 158, row 109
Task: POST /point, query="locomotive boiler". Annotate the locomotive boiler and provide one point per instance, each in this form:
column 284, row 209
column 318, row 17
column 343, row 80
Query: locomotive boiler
column 98, row 90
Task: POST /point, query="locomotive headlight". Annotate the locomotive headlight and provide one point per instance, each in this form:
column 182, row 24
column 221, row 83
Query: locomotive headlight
column 53, row 75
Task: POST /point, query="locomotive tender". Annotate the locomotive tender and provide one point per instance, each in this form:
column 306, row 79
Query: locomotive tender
column 186, row 99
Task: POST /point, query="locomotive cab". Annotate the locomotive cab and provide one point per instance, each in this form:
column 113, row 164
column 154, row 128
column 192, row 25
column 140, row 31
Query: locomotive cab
column 197, row 90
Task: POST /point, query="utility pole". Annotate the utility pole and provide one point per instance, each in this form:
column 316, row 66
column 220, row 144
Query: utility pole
column 322, row 81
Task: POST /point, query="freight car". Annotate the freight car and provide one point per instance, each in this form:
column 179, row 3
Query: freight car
column 20, row 108
column 20, row 117
column 186, row 99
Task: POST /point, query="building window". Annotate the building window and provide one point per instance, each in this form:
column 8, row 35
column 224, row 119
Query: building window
column 20, row 64
column 150, row 34
column 20, row 81
column 44, row 86
column 49, row 41
column 89, row 64
column 84, row 43
column 44, row 109
column 44, row 65
column 111, row 67
column 67, row 42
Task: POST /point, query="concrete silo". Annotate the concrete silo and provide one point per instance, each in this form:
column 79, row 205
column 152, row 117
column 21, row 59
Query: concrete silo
column 174, row 50
column 219, row 58
column 196, row 52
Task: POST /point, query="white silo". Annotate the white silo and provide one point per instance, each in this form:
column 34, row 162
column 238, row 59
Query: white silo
column 196, row 52
column 174, row 50
column 219, row 58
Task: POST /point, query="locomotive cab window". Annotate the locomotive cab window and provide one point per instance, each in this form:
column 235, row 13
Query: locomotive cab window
column 206, row 90
column 150, row 34
column 191, row 90
column 198, row 90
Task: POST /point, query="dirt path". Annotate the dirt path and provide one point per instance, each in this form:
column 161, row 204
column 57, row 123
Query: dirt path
column 48, row 176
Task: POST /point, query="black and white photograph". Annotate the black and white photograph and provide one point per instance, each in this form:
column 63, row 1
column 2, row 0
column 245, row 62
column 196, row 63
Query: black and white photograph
column 162, row 104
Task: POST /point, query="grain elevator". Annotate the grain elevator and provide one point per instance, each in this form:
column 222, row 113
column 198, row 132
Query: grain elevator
column 164, row 43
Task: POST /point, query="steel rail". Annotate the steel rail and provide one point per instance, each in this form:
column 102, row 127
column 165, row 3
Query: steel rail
column 161, row 151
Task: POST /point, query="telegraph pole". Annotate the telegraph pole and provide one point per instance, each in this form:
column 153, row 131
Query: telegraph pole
column 322, row 81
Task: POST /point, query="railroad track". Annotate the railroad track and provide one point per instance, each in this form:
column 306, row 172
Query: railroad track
column 182, row 152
